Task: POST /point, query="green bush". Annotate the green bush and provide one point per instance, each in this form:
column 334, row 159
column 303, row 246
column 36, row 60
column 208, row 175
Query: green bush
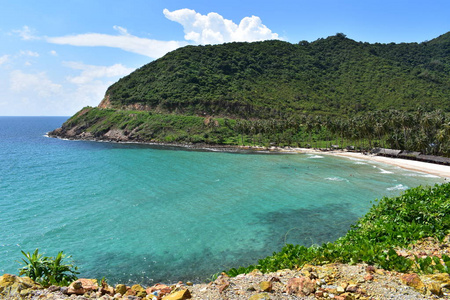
column 48, row 270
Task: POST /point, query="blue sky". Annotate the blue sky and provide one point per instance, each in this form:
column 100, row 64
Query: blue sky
column 59, row 56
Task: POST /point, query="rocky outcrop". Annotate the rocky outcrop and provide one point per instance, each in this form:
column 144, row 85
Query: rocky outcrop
column 15, row 287
column 79, row 133
column 106, row 102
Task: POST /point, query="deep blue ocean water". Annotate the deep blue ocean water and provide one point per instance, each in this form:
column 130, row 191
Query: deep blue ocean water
column 148, row 214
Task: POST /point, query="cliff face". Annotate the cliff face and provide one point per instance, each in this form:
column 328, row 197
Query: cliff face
column 105, row 124
column 84, row 126
column 105, row 103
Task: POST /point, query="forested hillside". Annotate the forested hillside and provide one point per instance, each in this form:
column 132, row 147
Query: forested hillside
column 267, row 79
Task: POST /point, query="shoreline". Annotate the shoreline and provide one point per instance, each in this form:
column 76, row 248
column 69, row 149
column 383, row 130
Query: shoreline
column 409, row 164
column 413, row 165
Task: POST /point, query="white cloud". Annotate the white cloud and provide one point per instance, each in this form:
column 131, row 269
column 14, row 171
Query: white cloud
column 124, row 41
column 29, row 53
column 4, row 59
column 38, row 84
column 34, row 94
column 93, row 81
column 90, row 72
column 215, row 29
column 88, row 94
column 37, row 94
column 200, row 29
column 26, row 33
column 121, row 30
column 53, row 52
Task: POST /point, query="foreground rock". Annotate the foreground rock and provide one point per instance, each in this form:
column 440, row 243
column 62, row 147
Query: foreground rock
column 14, row 287
column 332, row 281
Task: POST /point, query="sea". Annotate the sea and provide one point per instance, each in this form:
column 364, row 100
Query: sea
column 145, row 214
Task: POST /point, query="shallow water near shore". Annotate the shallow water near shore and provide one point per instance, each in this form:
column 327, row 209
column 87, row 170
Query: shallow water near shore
column 148, row 214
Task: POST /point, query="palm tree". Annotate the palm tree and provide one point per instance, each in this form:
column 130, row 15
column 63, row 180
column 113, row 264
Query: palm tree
column 309, row 128
column 443, row 136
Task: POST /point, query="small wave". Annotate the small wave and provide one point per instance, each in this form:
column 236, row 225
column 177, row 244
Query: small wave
column 336, row 179
column 429, row 176
column 383, row 171
column 315, row 156
column 356, row 159
column 421, row 175
column 398, row 187
column 360, row 163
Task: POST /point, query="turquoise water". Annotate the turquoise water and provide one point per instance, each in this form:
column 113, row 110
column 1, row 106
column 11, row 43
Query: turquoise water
column 150, row 214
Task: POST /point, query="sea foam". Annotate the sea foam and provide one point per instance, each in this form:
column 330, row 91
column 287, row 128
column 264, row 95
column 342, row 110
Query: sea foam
column 336, row 179
column 398, row 187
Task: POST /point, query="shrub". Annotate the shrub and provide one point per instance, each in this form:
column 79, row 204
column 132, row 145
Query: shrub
column 48, row 270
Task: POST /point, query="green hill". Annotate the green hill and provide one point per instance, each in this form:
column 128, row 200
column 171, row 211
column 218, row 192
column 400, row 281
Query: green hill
column 335, row 75
column 277, row 92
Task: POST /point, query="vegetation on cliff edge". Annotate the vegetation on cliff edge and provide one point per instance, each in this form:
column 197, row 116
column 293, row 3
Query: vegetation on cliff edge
column 392, row 222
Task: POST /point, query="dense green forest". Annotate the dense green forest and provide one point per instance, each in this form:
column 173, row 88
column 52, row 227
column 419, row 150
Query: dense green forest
column 272, row 79
column 333, row 92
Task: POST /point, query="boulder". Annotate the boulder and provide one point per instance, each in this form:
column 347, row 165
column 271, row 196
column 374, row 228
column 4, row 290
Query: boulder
column 413, row 280
column 223, row 286
column 106, row 289
column 139, row 291
column 179, row 295
column 159, row 290
column 442, row 278
column 262, row 296
column 121, row 289
column 326, row 272
column 301, row 287
column 436, row 282
column 368, row 277
column 352, row 288
column 265, row 286
column 82, row 286
column 12, row 286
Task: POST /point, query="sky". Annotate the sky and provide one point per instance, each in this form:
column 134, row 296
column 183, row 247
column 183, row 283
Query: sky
column 57, row 57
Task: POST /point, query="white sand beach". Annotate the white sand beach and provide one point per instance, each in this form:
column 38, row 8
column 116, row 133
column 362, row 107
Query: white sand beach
column 434, row 169
column 429, row 168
